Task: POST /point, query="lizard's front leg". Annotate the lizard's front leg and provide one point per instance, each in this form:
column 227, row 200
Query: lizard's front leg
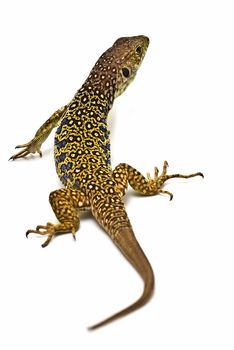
column 124, row 174
column 65, row 202
column 34, row 146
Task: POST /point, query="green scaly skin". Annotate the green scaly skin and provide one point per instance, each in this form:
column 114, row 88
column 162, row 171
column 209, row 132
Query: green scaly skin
column 82, row 157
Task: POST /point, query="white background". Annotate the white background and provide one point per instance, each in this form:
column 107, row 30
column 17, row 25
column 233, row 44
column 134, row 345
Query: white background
column 179, row 108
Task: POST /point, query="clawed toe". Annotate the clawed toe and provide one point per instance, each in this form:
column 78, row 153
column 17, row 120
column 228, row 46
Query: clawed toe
column 167, row 192
column 156, row 183
column 44, row 230
column 20, row 154
column 200, row 174
column 51, row 230
column 29, row 148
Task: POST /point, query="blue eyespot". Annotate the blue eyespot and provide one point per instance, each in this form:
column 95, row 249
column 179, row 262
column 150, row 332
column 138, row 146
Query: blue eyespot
column 102, row 128
column 69, row 165
column 64, row 121
column 59, row 129
column 63, row 167
column 62, row 156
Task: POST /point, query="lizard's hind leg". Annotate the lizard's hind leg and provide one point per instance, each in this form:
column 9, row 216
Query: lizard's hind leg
column 65, row 202
column 155, row 184
column 124, row 174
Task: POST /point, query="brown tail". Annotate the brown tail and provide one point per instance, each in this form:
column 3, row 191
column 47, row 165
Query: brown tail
column 127, row 243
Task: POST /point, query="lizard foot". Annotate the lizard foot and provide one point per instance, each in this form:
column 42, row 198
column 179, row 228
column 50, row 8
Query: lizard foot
column 156, row 183
column 33, row 146
column 51, row 231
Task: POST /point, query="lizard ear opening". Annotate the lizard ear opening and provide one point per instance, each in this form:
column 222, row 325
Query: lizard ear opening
column 125, row 72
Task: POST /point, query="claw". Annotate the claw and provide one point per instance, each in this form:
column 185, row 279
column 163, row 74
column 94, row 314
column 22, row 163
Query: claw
column 48, row 230
column 21, row 154
column 168, row 193
column 74, row 235
column 156, row 171
column 43, row 227
column 45, row 244
column 200, row 174
column 21, row 146
column 155, row 184
column 29, row 148
column 52, row 230
column 27, row 233
column 37, row 231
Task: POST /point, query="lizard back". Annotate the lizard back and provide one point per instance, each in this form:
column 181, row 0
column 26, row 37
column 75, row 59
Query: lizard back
column 82, row 151
column 82, row 145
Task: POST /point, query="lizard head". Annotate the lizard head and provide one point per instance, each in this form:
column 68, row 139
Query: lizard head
column 117, row 67
column 127, row 53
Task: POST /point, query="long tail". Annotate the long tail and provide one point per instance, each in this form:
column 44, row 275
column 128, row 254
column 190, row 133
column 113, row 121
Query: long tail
column 126, row 241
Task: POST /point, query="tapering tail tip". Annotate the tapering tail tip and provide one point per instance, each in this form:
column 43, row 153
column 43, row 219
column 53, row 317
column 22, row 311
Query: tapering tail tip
column 129, row 246
column 147, row 294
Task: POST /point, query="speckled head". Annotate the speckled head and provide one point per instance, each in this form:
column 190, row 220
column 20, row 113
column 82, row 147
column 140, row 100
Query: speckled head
column 117, row 67
column 128, row 53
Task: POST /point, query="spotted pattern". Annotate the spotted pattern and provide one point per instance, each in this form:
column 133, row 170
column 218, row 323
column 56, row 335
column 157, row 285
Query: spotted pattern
column 82, row 144
column 82, row 158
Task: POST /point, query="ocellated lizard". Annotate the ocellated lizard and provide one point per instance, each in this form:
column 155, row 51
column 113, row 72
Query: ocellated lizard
column 82, row 158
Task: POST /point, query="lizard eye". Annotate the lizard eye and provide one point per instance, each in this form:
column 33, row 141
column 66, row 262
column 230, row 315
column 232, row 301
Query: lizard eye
column 125, row 72
column 139, row 50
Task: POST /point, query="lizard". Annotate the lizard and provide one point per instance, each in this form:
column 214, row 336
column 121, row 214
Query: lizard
column 83, row 164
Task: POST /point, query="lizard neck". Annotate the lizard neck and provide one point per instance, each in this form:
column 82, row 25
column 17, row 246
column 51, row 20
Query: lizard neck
column 102, row 80
column 97, row 89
